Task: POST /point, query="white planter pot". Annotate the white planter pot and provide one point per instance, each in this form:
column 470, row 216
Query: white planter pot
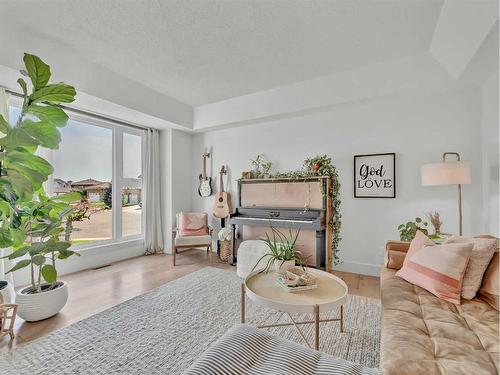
column 8, row 293
column 281, row 267
column 39, row 306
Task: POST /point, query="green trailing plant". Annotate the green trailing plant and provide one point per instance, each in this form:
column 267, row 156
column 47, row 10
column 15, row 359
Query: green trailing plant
column 31, row 223
column 281, row 249
column 318, row 166
column 408, row 231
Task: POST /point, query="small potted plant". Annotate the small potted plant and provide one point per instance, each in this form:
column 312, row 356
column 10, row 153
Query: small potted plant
column 282, row 255
column 407, row 231
column 261, row 167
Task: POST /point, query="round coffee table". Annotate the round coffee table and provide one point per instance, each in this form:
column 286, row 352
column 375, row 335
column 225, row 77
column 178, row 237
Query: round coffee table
column 331, row 293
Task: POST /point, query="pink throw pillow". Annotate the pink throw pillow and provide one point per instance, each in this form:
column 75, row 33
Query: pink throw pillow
column 482, row 252
column 420, row 240
column 439, row 269
column 192, row 224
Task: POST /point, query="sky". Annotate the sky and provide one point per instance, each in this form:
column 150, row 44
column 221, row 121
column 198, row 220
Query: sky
column 86, row 152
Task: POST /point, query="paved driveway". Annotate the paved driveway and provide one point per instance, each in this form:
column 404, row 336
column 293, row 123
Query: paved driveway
column 99, row 227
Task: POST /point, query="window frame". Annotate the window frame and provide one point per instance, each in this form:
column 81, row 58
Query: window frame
column 117, row 172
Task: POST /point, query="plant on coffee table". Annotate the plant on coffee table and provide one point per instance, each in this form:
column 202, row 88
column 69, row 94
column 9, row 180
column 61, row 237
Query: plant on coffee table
column 281, row 250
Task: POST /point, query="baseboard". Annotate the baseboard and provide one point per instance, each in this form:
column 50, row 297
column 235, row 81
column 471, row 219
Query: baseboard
column 361, row 268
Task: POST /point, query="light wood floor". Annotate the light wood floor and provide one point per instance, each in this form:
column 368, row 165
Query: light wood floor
column 92, row 291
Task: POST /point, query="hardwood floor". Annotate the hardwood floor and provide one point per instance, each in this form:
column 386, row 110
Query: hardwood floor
column 95, row 290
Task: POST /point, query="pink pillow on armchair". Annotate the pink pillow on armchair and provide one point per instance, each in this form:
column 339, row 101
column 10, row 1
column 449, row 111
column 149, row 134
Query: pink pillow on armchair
column 192, row 224
column 439, row 269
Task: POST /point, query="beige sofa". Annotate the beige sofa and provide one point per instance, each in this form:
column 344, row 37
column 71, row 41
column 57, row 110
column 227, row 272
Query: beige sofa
column 422, row 334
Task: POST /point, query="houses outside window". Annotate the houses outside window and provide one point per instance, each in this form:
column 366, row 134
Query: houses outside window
column 132, row 184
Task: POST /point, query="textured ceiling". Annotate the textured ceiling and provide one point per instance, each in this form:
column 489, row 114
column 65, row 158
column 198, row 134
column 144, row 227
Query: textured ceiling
column 204, row 51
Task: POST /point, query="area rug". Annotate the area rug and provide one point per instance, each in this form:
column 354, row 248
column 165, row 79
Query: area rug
column 165, row 330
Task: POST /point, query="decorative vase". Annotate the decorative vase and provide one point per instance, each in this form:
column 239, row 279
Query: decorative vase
column 281, row 267
column 7, row 291
column 39, row 306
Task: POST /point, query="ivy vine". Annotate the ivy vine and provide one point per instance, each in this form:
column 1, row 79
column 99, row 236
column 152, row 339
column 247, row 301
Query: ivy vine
column 318, row 166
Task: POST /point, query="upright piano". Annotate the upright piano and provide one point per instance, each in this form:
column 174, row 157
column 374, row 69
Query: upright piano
column 300, row 204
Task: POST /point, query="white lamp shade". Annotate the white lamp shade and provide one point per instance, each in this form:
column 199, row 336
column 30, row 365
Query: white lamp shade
column 446, row 173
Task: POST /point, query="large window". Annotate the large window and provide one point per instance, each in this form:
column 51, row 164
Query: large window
column 132, row 185
column 84, row 163
column 103, row 162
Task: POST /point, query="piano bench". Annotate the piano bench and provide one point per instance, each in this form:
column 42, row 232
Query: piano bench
column 249, row 253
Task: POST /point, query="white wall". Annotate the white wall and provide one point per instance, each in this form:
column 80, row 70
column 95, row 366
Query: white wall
column 418, row 128
column 176, row 156
column 490, row 144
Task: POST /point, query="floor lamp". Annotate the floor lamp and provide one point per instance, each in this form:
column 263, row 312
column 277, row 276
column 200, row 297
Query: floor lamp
column 448, row 172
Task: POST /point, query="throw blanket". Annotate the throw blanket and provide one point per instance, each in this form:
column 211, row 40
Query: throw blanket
column 251, row 351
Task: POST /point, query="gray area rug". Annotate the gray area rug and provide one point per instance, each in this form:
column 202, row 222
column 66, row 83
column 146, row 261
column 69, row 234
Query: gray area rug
column 165, row 330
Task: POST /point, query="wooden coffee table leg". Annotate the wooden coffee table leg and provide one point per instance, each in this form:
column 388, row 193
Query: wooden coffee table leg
column 316, row 327
column 242, row 303
column 341, row 318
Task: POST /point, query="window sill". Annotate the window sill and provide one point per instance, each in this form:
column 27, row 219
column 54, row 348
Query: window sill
column 107, row 243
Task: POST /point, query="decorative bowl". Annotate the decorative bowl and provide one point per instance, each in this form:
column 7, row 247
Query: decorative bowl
column 305, row 278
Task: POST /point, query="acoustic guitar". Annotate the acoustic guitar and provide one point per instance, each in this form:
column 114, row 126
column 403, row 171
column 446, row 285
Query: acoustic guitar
column 223, row 206
column 205, row 188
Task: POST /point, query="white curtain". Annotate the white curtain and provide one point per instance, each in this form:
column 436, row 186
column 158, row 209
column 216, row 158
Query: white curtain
column 153, row 237
column 5, row 264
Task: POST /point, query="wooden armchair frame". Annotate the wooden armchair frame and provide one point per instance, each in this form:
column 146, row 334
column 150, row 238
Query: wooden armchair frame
column 8, row 313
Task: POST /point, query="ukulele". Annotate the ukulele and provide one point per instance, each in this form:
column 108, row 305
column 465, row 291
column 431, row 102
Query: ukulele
column 222, row 206
column 205, row 188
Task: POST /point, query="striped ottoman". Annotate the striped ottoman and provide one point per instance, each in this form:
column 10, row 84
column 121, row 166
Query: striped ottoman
column 251, row 351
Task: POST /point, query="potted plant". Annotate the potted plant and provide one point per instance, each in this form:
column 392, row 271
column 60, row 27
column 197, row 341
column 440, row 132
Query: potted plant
column 261, row 167
column 31, row 224
column 407, row 231
column 44, row 223
column 282, row 254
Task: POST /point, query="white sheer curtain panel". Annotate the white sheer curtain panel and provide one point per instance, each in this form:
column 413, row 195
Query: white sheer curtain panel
column 153, row 236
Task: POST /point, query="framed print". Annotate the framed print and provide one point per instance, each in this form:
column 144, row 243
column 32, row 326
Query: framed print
column 375, row 176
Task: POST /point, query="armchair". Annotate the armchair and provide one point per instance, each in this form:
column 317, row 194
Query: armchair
column 191, row 232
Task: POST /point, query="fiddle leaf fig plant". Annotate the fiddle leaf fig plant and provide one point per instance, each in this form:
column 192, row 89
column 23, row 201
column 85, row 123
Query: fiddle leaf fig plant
column 31, row 223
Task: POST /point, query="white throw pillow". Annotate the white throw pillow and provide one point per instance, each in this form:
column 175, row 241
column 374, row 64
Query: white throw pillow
column 480, row 258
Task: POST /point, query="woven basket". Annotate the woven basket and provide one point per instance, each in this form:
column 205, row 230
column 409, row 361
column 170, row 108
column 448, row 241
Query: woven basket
column 225, row 250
